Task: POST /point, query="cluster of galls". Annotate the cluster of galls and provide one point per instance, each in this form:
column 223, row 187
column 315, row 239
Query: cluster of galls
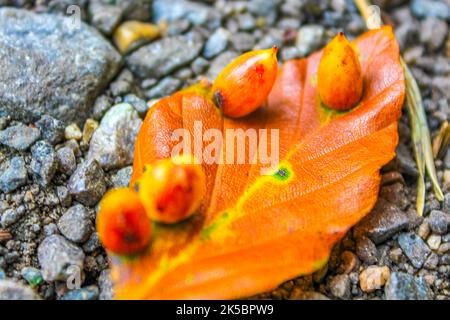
column 171, row 190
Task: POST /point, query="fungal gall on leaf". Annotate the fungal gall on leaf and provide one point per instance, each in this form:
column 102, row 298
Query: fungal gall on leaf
column 339, row 77
column 244, row 84
column 122, row 224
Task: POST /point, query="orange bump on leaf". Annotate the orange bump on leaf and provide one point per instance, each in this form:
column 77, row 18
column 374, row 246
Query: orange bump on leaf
column 122, row 224
column 339, row 77
column 172, row 189
column 245, row 83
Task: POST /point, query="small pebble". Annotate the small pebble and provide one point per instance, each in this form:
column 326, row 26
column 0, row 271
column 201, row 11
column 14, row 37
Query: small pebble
column 414, row 248
column 438, row 221
column 13, row 174
column 403, row 286
column 373, row 278
column 19, row 137
column 86, row 293
column 106, row 285
column 339, row 286
column 58, row 257
column 43, row 162
column 424, row 230
column 349, row 262
column 216, row 43
column 72, row 131
column 66, row 160
column 52, row 130
column 87, row 184
column 309, row 38
column 11, row 290
column 75, row 224
column 366, row 250
column 434, row 241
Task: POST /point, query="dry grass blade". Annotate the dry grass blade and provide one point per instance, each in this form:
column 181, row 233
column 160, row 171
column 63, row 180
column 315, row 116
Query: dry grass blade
column 420, row 132
column 441, row 141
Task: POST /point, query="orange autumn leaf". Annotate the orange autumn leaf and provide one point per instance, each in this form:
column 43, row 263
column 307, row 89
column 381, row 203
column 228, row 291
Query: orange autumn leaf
column 253, row 232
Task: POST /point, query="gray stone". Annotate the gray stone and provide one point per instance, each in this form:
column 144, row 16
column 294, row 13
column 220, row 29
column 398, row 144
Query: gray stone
column 430, row 8
column 123, row 84
column 178, row 27
column 135, row 10
column 50, row 229
column 13, row 174
column 446, row 204
column 4, row 121
column 196, row 13
column 216, row 43
column 87, row 184
column 242, row 41
column 263, row 7
column 139, row 104
column 199, row 65
column 43, row 162
column 220, row 62
column 289, row 53
column 92, row 244
column 50, row 67
column 339, row 286
column 161, row 57
column 20, row 136
column 60, row 7
column 66, row 160
column 183, row 74
column 63, row 195
column 106, row 285
column 432, row 261
column 438, row 221
column 395, row 194
column 403, row 286
column 309, row 39
column 366, row 250
column 86, row 293
column 122, row 177
column 246, row 22
column 51, row 129
column 112, row 144
column 433, row 33
column 11, row 216
column 414, row 248
column 165, row 87
column 75, row 224
column 59, row 258
column 101, row 105
column 10, row 290
column 405, row 162
column 105, row 16
column 274, row 37
column 382, row 222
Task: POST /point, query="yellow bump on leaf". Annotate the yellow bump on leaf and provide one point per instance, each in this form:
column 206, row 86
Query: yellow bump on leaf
column 339, row 77
column 171, row 190
column 133, row 33
column 245, row 83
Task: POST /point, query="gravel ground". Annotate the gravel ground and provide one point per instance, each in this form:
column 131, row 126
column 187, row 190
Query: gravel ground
column 61, row 148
